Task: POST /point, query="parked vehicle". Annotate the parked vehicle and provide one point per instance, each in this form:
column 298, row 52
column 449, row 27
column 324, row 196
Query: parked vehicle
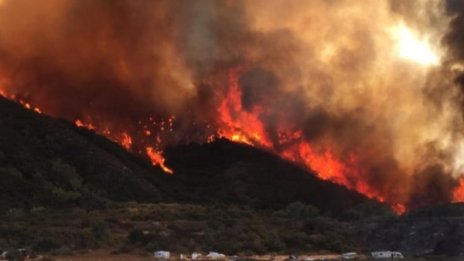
column 349, row 255
column 162, row 255
column 215, row 255
column 387, row 255
column 195, row 256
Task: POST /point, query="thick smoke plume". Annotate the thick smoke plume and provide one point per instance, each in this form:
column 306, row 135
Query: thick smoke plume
column 323, row 83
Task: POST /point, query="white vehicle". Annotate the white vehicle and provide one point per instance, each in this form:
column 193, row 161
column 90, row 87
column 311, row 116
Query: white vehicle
column 195, row 256
column 387, row 255
column 349, row 255
column 215, row 255
column 320, row 257
column 162, row 255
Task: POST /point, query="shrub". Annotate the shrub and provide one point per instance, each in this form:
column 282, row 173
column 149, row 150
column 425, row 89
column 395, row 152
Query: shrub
column 45, row 245
column 299, row 210
column 100, row 231
column 47, row 258
column 366, row 210
column 14, row 255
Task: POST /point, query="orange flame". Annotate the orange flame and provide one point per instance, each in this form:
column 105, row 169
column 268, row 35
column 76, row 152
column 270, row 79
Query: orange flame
column 29, row 106
column 25, row 104
column 157, row 159
column 399, row 208
column 81, row 124
column 237, row 124
column 458, row 193
column 126, row 141
column 244, row 126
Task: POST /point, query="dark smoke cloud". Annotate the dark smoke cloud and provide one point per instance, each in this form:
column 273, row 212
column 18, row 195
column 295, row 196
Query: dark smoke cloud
column 98, row 57
column 431, row 187
column 455, row 37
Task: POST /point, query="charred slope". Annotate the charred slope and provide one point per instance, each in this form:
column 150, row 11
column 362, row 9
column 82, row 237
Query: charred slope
column 240, row 174
column 50, row 162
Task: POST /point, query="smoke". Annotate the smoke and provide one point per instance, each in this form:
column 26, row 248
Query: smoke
column 109, row 57
column 323, row 74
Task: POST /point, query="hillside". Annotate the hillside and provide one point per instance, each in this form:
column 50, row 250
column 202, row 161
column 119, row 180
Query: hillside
column 50, row 162
column 239, row 174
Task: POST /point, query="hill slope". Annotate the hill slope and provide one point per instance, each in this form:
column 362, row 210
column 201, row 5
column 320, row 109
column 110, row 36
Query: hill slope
column 239, row 174
column 50, row 162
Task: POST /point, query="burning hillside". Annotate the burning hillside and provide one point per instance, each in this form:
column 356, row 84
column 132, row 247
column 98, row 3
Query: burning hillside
column 366, row 94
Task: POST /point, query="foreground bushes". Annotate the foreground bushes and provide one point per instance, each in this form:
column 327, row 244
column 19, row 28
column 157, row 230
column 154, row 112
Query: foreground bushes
column 177, row 227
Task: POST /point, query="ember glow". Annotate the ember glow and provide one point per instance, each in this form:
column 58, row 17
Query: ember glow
column 366, row 94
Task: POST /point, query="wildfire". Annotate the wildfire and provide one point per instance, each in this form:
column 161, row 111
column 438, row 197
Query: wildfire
column 157, row 159
column 325, row 165
column 238, row 124
column 349, row 96
column 29, row 106
column 24, row 103
column 81, row 124
column 126, row 141
column 458, row 193
column 246, row 127
column 399, row 208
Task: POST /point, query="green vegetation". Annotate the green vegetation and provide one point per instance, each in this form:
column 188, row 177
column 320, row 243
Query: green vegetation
column 177, row 227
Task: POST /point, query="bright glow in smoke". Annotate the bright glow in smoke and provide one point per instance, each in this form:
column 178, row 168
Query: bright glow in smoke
column 412, row 48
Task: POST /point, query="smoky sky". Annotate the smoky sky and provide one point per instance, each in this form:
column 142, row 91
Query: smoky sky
column 325, row 69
